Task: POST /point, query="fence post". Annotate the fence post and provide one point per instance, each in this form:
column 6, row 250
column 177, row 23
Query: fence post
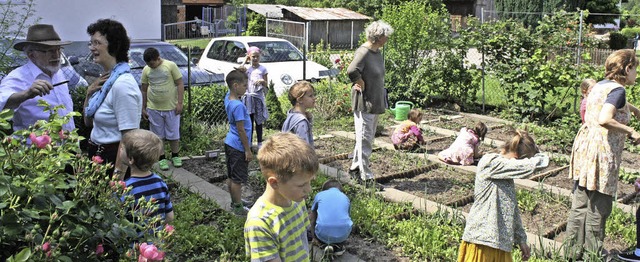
column 189, row 87
column 482, row 60
column 575, row 98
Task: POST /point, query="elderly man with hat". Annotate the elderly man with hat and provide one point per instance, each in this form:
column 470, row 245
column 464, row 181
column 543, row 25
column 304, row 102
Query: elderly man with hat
column 39, row 78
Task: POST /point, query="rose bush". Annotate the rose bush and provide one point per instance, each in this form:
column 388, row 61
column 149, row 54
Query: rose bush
column 56, row 204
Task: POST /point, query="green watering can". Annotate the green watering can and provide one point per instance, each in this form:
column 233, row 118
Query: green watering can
column 402, row 110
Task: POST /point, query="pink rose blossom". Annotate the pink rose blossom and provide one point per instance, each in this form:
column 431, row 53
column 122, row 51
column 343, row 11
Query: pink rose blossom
column 122, row 184
column 149, row 253
column 97, row 159
column 40, row 141
column 46, row 246
column 49, row 253
column 62, row 135
column 99, row 249
column 168, row 228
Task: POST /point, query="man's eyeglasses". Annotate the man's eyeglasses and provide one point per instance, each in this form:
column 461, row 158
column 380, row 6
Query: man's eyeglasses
column 54, row 51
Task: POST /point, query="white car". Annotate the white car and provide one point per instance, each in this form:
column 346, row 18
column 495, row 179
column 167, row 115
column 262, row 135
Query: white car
column 284, row 62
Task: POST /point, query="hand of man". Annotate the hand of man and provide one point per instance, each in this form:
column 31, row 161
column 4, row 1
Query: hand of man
column 248, row 156
column 39, row 88
column 145, row 116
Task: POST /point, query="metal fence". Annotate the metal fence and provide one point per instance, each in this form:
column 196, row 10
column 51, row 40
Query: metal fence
column 200, row 29
column 492, row 92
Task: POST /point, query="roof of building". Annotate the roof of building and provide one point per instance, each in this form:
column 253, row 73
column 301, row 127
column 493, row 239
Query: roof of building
column 269, row 11
column 308, row 13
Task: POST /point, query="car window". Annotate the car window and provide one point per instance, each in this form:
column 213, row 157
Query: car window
column 277, row 51
column 215, row 52
column 169, row 52
column 233, row 50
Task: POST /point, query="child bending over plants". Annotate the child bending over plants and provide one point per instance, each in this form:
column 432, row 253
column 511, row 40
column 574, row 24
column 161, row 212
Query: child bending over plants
column 276, row 226
column 465, row 148
column 494, row 224
column 330, row 219
column 407, row 136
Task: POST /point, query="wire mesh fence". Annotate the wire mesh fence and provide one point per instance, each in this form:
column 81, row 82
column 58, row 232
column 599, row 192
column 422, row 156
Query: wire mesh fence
column 577, row 50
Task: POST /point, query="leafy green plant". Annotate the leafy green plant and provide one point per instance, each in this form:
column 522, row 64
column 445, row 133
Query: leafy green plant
column 620, row 225
column 423, row 61
column 526, row 200
column 628, row 177
column 205, row 232
column 276, row 115
column 58, row 205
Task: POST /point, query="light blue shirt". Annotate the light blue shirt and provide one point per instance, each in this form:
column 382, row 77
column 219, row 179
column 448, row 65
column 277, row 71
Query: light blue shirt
column 121, row 110
column 333, row 224
column 25, row 115
column 236, row 111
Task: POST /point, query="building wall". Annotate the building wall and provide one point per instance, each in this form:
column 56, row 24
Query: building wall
column 70, row 18
column 338, row 33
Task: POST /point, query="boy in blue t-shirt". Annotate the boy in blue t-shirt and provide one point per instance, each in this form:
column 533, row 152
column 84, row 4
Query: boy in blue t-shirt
column 236, row 144
column 330, row 220
column 139, row 150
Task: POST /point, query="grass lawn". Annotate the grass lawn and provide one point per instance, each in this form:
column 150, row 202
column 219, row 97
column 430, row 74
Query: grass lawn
column 200, row 42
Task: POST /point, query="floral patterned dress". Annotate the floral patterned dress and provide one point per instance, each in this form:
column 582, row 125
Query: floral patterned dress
column 597, row 152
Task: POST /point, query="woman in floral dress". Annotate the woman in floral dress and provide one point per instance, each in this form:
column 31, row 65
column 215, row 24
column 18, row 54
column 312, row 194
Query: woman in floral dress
column 597, row 151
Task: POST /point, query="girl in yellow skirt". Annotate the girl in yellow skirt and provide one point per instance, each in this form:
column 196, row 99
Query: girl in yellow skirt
column 493, row 224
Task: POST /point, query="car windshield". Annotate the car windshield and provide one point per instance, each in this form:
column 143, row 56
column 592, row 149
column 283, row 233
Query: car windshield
column 277, row 51
column 169, row 52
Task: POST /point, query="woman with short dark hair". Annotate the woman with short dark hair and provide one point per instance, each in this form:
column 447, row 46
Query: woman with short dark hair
column 113, row 104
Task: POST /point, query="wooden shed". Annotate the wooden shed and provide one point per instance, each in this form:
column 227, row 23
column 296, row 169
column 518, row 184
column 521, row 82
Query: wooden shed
column 339, row 27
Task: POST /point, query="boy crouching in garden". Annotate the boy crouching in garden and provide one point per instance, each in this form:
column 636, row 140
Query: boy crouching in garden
column 277, row 223
column 139, row 150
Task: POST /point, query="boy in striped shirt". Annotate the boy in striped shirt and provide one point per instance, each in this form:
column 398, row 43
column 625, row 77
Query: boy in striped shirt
column 277, row 223
column 139, row 150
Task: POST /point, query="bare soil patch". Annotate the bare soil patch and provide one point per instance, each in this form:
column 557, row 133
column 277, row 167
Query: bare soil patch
column 327, row 147
column 441, row 185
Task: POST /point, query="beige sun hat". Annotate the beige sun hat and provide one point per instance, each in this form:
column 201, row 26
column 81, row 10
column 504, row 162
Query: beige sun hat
column 41, row 34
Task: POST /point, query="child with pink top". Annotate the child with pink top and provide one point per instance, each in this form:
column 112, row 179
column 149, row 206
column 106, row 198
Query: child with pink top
column 408, row 136
column 465, row 148
column 585, row 88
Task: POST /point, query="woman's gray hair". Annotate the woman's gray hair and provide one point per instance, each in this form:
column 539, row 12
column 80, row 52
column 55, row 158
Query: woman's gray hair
column 378, row 29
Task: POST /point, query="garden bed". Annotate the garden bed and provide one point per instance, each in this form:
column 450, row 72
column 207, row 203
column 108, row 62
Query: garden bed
column 562, row 180
column 441, row 185
column 386, row 162
column 541, row 212
column 332, row 146
column 362, row 246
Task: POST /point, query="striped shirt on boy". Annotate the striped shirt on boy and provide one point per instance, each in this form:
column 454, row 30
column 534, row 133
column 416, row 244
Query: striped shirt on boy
column 277, row 232
column 151, row 186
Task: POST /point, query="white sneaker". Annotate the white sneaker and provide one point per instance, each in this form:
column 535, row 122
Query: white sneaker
column 259, row 145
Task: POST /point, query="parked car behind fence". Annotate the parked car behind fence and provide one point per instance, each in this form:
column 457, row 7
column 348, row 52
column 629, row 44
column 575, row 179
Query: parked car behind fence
column 192, row 75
